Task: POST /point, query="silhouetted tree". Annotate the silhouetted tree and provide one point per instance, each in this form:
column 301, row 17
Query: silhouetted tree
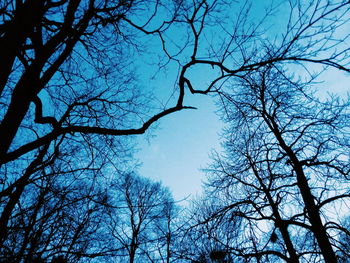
column 286, row 167
column 59, row 213
column 206, row 237
column 141, row 221
column 67, row 75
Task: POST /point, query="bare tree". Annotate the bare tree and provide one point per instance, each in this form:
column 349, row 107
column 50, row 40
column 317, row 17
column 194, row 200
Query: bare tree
column 59, row 214
column 71, row 55
column 77, row 57
column 254, row 185
column 206, row 237
column 287, row 151
column 142, row 208
column 167, row 231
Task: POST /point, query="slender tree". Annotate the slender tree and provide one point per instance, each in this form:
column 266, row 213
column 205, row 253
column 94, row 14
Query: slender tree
column 304, row 145
column 207, row 237
column 141, row 209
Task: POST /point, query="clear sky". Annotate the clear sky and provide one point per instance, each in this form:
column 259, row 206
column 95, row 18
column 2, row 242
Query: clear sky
column 181, row 146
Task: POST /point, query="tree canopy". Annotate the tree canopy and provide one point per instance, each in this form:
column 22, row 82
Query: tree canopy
column 76, row 82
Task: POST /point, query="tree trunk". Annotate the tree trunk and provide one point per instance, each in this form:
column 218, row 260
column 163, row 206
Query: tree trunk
column 308, row 199
column 16, row 32
column 283, row 228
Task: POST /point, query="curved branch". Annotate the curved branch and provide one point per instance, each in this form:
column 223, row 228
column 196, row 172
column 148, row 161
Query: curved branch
column 39, row 118
column 86, row 130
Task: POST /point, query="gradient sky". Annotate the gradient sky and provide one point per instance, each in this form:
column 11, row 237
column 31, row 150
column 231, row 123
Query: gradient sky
column 181, row 147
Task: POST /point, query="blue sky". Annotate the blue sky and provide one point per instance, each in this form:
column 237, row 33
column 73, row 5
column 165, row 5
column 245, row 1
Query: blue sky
column 181, row 146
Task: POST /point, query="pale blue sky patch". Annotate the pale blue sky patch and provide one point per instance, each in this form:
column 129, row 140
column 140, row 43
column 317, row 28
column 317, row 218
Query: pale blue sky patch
column 181, row 147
